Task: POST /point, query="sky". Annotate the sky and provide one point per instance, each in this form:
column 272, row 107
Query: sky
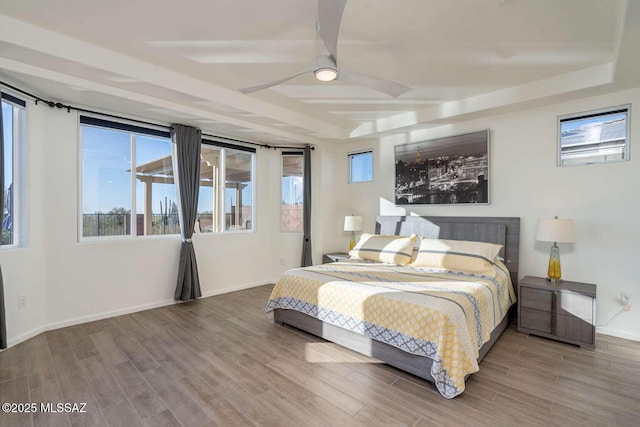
column 571, row 124
column 106, row 157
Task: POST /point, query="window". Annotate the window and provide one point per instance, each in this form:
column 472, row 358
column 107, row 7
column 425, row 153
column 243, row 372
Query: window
column 291, row 207
column 127, row 183
column 11, row 221
column 361, row 166
column 225, row 200
column 594, row 136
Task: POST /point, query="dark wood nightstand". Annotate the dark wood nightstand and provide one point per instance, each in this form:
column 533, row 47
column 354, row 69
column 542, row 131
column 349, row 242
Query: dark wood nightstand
column 334, row 257
column 564, row 311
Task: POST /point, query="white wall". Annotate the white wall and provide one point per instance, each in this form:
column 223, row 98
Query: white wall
column 23, row 269
column 603, row 199
column 69, row 282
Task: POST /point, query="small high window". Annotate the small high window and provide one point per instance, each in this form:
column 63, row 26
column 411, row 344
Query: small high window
column 360, row 166
column 594, row 136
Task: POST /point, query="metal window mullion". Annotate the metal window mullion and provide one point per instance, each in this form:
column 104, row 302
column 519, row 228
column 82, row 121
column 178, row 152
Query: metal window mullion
column 284, row 156
column 253, row 181
column 133, row 224
column 19, row 177
column 80, row 187
column 16, row 203
column 223, row 186
column 16, row 213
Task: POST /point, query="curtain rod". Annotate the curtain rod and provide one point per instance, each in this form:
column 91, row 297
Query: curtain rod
column 60, row 105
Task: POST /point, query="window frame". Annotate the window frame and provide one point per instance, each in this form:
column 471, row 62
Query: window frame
column 223, row 145
column 576, row 117
column 133, row 130
column 19, row 168
column 282, row 156
column 350, row 157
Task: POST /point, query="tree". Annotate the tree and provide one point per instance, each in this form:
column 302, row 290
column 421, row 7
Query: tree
column 119, row 211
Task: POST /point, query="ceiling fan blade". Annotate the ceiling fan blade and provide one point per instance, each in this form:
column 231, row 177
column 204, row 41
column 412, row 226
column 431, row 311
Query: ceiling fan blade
column 273, row 83
column 385, row 86
column 329, row 17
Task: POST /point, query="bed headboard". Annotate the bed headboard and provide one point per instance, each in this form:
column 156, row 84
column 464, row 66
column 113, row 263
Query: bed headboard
column 502, row 230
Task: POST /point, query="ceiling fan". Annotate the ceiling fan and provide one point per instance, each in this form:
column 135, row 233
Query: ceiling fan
column 325, row 66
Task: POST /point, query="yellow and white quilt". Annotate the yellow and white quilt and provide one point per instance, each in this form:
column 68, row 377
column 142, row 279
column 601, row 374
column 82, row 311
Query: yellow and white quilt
column 444, row 315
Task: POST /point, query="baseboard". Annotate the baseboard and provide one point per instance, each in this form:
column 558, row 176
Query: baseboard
column 107, row 314
column 618, row 333
column 27, row 335
column 113, row 313
column 237, row 288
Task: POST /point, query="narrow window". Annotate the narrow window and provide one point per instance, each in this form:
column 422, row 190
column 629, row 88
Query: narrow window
column 292, row 180
column 12, row 225
column 238, row 190
column 361, row 166
column 226, row 194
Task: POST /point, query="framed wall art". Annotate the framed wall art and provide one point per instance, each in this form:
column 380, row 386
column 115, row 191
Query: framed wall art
column 443, row 171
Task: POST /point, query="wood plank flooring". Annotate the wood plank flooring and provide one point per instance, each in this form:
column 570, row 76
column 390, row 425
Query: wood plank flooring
column 220, row 361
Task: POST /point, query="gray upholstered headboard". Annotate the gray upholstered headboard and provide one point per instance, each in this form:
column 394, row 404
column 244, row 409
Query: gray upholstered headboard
column 501, row 230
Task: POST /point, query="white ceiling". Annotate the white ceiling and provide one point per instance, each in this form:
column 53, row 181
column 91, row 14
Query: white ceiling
column 185, row 62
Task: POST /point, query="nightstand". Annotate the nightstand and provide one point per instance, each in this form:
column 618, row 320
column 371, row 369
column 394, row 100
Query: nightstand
column 563, row 311
column 334, row 257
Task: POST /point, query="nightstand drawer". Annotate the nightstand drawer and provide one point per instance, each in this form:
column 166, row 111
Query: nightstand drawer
column 574, row 328
column 575, row 305
column 535, row 319
column 539, row 299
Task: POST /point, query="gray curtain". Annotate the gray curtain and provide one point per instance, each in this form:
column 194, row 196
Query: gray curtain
column 3, row 320
column 306, row 213
column 186, row 170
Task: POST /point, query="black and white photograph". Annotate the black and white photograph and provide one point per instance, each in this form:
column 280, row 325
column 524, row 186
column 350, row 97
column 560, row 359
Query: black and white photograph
column 443, row 171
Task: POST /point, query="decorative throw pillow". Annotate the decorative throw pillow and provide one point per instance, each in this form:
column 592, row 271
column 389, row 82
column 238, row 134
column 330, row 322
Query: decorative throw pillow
column 388, row 249
column 457, row 255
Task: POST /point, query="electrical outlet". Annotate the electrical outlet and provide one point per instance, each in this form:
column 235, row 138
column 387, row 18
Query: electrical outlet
column 625, row 299
column 22, row 301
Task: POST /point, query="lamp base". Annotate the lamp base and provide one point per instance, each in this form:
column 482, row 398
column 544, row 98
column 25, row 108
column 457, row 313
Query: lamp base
column 352, row 242
column 554, row 272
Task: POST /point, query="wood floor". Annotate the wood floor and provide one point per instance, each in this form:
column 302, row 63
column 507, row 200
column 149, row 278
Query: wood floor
column 221, row 362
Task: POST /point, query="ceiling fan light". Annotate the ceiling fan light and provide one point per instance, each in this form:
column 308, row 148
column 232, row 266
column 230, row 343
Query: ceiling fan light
column 326, row 74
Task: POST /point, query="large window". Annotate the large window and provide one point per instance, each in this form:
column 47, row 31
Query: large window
column 12, row 225
column 225, row 201
column 594, row 136
column 291, row 208
column 127, row 184
column 361, row 166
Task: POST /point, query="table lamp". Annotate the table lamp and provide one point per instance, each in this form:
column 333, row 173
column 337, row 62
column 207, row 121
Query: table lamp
column 555, row 230
column 352, row 224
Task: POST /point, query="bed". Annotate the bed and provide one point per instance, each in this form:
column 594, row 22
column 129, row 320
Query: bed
column 437, row 324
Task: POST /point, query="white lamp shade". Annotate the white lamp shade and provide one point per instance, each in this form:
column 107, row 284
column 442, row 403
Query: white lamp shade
column 352, row 223
column 556, row 230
